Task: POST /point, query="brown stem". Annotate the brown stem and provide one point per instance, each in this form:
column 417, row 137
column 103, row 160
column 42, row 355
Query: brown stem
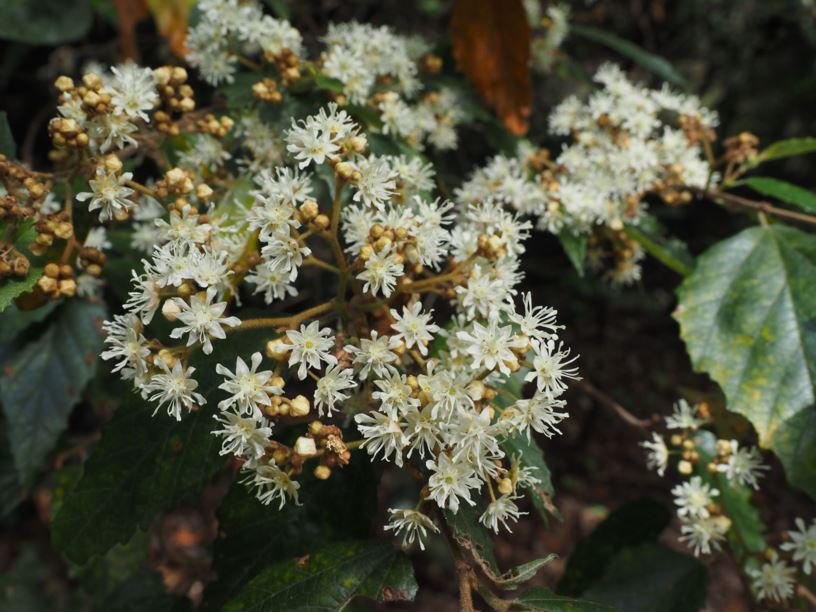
column 290, row 321
column 806, row 593
column 607, row 401
column 142, row 189
column 761, row 207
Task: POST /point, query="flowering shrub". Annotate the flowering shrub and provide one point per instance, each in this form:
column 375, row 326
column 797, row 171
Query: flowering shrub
column 263, row 249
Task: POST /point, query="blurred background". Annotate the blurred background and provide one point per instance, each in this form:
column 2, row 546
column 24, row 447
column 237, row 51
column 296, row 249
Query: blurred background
column 754, row 61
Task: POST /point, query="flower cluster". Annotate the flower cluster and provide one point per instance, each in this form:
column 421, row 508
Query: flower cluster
column 621, row 150
column 704, row 522
column 430, row 391
column 363, row 64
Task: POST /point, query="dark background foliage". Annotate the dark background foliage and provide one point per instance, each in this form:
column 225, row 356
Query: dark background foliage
column 752, row 60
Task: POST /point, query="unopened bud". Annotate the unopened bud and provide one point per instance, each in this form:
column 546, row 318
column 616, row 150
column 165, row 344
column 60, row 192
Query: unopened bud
column 170, row 310
column 276, row 349
column 305, row 447
column 322, row 472
column 299, row 406
column 685, row 468
column 505, row 486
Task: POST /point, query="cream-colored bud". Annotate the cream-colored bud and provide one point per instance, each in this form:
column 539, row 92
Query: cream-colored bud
column 309, row 209
column 162, row 75
column 67, row 287
column 685, row 467
column 299, row 406
column 505, row 486
column 64, row 83
column 322, row 472
column 277, row 349
column 358, row 143
column 170, row 310
column 203, row 191
column 344, row 170
column 167, row 357
column 476, row 390
column 305, row 447
column 113, row 164
column 723, row 448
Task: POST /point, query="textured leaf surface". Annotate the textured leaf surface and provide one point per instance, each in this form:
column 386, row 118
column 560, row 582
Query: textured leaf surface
column 329, row 578
column 10, row 489
column 43, row 381
column 531, row 455
column 632, row 525
column 781, row 190
column 652, row 578
column 44, row 22
column 660, row 66
column 143, row 465
column 575, row 246
column 10, row 289
column 7, row 146
column 787, row 148
column 491, row 45
column 339, row 508
column 541, row 599
column 671, row 252
column 747, row 316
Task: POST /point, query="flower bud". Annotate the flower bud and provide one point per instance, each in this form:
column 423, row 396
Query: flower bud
column 305, row 447
column 685, row 468
column 505, row 486
column 299, row 406
column 322, row 472
column 170, row 310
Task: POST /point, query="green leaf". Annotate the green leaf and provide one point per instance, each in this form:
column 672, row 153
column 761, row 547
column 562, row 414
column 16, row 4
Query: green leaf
column 747, row 316
column 650, row 61
column 12, row 289
column 142, row 466
column 11, row 493
column 13, row 321
column 541, row 599
column 671, row 252
column 339, row 508
column 328, row 579
column 652, row 578
column 45, row 22
column 7, row 146
column 631, row 525
column 43, row 381
column 21, row 586
column 473, row 538
column 747, row 529
column 328, row 83
column 530, row 454
column 785, row 148
column 781, row 190
column 575, row 246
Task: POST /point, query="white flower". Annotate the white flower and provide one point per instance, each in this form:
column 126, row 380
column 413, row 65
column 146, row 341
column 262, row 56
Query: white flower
column 744, row 465
column 683, row 416
column 539, row 414
column 414, row 326
column 243, row 436
column 538, row 321
column 412, row 524
column 202, row 319
column 175, row 387
column 309, row 347
column 144, row 300
column 803, row 544
column 375, row 355
column 491, row 346
column 272, row 282
column 271, row 483
column 657, row 456
column 704, row 534
column 394, row 393
column 382, row 432
column 127, row 344
column 500, row 510
column 330, row 387
column 108, row 193
column 248, row 389
column 774, row 580
column 376, row 183
column 285, row 253
column 693, row 498
column 134, row 91
column 451, row 481
column 550, row 367
column 381, row 272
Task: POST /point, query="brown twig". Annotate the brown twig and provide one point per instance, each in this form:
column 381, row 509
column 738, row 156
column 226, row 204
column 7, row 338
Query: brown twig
column 761, row 207
column 607, row 401
column 806, row 593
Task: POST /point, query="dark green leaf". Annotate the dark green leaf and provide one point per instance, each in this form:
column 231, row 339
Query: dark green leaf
column 541, row 599
column 336, row 509
column 781, row 190
column 11, row 289
column 45, row 22
column 21, row 586
column 786, row 148
column 143, row 465
column 633, row 524
column 328, row 579
column 473, row 537
column 575, row 246
column 530, row 454
column 327, row 83
column 671, row 252
column 7, row 146
column 11, row 493
column 650, row 61
column 745, row 535
column 43, row 381
column 747, row 315
column 144, row 590
column 13, row 321
column 652, row 578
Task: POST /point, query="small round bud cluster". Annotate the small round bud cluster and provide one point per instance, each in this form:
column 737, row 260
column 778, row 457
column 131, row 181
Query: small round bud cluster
column 176, row 95
column 66, row 132
column 741, row 148
column 215, row 126
column 288, row 64
column 267, row 91
column 12, row 262
column 48, row 228
column 23, row 183
column 57, row 281
column 92, row 260
column 430, row 63
column 176, row 181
